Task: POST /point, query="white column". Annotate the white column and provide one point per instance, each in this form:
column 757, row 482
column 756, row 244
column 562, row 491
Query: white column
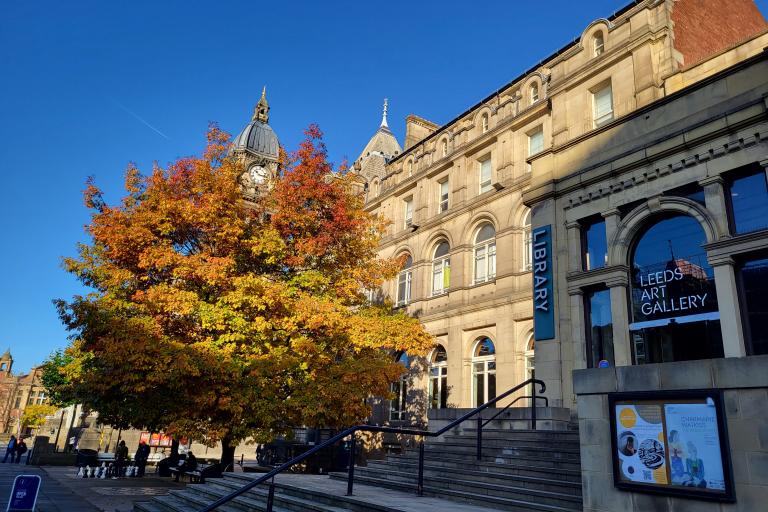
column 578, row 332
column 612, row 219
column 573, row 230
column 728, row 304
column 714, row 198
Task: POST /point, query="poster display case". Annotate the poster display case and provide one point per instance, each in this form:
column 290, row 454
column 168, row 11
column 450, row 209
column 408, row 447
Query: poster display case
column 671, row 442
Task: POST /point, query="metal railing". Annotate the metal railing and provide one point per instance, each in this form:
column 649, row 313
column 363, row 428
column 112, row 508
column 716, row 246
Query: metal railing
column 390, row 430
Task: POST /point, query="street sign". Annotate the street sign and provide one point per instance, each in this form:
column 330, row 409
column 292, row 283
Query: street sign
column 24, row 493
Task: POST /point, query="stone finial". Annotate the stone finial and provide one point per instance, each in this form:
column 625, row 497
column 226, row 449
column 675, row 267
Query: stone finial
column 384, row 114
column 261, row 111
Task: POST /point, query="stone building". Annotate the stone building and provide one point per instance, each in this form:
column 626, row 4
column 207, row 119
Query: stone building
column 258, row 149
column 16, row 393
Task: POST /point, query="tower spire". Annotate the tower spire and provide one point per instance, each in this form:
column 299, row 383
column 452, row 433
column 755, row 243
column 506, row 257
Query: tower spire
column 261, row 111
column 384, row 114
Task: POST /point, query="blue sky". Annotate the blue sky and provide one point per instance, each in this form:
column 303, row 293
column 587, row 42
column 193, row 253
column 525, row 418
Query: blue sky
column 87, row 87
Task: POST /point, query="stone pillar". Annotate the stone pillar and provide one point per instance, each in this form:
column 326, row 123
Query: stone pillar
column 728, row 304
column 578, row 330
column 714, row 198
column 573, row 230
column 622, row 354
column 612, row 219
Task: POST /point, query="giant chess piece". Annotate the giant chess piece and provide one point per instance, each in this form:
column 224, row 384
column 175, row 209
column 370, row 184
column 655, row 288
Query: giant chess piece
column 86, row 471
column 80, row 472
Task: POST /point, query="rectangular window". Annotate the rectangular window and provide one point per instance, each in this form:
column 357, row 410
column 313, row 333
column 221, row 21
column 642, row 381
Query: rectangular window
column 408, row 203
column 485, row 175
column 536, row 141
column 754, row 303
column 603, row 105
column 749, row 202
column 404, row 288
column 398, row 402
column 443, row 205
column 599, row 327
column 594, row 246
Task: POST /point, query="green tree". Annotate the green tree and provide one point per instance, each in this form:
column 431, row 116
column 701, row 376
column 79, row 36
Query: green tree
column 221, row 319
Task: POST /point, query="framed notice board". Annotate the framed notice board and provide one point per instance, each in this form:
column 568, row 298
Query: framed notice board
column 671, row 442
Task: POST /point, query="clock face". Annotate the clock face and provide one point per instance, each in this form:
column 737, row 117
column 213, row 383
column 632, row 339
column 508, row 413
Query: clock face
column 257, row 174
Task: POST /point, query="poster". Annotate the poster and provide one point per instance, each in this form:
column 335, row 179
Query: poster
column 640, row 443
column 154, row 439
column 671, row 442
column 695, row 458
column 144, row 438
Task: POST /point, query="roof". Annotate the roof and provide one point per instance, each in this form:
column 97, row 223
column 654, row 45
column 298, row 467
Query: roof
column 383, row 142
column 258, row 137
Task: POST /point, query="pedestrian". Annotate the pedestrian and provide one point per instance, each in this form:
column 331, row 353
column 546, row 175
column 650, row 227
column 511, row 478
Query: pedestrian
column 189, row 464
column 21, row 449
column 120, row 457
column 142, row 454
column 71, row 444
column 10, row 449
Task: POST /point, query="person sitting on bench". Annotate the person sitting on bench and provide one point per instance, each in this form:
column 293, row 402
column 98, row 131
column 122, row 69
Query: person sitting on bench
column 189, row 464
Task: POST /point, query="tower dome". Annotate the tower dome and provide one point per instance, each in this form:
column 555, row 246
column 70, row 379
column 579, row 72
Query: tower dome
column 258, row 137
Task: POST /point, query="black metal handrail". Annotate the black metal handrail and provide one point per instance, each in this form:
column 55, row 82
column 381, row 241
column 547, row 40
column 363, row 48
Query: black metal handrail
column 370, row 428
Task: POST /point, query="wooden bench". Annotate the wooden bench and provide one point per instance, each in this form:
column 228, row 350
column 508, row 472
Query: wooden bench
column 198, row 475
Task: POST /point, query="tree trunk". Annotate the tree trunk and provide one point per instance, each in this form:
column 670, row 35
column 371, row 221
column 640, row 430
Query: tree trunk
column 174, row 450
column 227, row 454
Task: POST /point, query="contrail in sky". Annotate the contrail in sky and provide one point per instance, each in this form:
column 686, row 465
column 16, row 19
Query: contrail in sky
column 139, row 118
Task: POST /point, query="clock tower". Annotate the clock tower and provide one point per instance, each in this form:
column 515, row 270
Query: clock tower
column 258, row 149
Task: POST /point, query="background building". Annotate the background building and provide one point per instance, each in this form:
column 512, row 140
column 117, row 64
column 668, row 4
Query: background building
column 16, row 393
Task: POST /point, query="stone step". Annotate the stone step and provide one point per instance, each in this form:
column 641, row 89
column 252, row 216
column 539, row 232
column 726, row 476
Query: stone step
column 494, row 502
column 147, row 506
column 526, row 469
column 501, row 458
column 494, row 439
column 523, row 481
column 468, row 484
column 470, row 430
column 468, row 450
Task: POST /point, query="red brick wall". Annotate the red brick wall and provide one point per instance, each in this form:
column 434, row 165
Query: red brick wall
column 706, row 27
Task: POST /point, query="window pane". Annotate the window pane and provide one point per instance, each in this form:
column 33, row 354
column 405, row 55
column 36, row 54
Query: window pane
column 485, row 233
column 491, row 386
column 485, row 175
column 536, row 142
column 437, row 277
column 600, row 328
column 433, row 393
column 480, row 264
column 492, row 261
column 603, row 105
column 749, row 197
column 754, row 278
column 596, row 250
column 479, row 389
column 444, row 391
column 443, row 196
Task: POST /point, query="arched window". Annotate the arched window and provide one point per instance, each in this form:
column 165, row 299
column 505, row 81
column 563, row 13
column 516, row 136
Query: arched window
column 527, row 242
column 397, row 406
column 534, row 92
column 438, row 378
column 483, row 372
column 485, row 254
column 404, row 279
column 441, row 269
column 675, row 316
column 484, row 122
column 530, row 361
column 598, row 44
column 445, row 147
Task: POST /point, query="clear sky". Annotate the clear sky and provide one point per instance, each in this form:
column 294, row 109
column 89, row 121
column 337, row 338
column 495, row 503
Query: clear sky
column 88, row 86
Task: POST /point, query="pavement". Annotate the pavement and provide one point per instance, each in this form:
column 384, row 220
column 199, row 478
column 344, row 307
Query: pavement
column 62, row 491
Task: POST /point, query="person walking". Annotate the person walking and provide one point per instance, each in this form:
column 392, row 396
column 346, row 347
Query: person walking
column 21, row 449
column 120, row 457
column 141, row 457
column 10, row 449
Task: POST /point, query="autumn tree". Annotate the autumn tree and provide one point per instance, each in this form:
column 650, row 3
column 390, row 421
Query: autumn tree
column 35, row 414
column 223, row 319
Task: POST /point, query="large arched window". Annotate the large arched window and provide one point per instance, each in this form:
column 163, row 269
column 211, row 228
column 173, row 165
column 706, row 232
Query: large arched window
column 438, row 378
column 397, row 407
column 675, row 316
column 530, row 361
column 483, row 372
column 441, row 269
column 404, row 279
column 527, row 242
column 485, row 253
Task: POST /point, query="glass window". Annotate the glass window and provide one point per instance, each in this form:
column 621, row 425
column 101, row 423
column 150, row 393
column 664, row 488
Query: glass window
column 754, row 283
column 530, row 361
column 443, row 198
column 534, row 93
column 441, row 269
column 527, row 242
column 749, row 202
column 597, row 308
column 438, row 379
column 408, row 206
column 594, row 245
column 484, row 122
column 485, row 254
column 598, row 44
column 404, row 279
column 674, row 301
column 483, row 372
column 397, row 406
column 603, row 105
column 485, row 175
column 535, row 141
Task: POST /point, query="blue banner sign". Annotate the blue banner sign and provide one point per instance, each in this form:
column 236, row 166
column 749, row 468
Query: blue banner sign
column 543, row 296
column 24, row 493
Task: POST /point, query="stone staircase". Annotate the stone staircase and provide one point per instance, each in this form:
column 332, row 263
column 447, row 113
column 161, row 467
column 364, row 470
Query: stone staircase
column 521, row 470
